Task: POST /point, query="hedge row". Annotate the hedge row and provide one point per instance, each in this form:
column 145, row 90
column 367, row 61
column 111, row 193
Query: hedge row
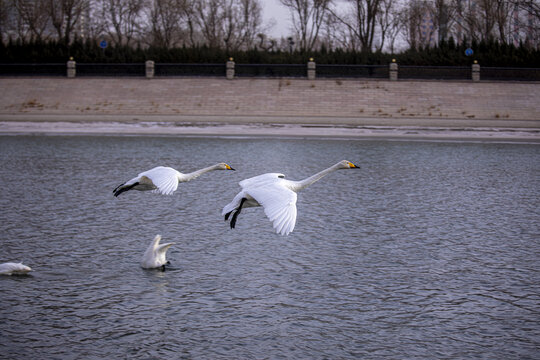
column 446, row 54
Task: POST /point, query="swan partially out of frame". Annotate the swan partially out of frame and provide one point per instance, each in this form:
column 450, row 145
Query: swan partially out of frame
column 276, row 195
column 155, row 256
column 11, row 268
column 164, row 180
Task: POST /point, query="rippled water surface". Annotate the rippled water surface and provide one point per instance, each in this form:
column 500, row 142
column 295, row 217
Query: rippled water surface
column 431, row 250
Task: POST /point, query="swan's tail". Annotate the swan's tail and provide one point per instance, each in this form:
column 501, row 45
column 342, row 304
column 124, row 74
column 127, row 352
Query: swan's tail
column 233, row 205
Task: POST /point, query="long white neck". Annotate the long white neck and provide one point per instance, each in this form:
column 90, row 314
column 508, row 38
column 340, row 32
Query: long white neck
column 196, row 174
column 302, row 184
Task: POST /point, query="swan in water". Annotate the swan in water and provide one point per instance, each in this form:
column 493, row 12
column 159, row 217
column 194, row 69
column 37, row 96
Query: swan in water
column 14, row 268
column 154, row 256
column 276, row 195
column 164, row 180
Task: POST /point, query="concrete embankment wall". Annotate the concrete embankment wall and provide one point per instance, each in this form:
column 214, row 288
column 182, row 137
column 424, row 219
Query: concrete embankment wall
column 320, row 101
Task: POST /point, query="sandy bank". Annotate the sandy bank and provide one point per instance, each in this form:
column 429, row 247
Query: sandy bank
column 344, row 108
column 322, row 101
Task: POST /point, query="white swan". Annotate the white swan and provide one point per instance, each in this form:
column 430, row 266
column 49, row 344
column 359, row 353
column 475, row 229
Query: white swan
column 14, row 268
column 164, row 180
column 154, row 256
column 276, row 195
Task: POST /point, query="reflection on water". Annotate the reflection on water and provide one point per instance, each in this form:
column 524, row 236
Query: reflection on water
column 431, row 250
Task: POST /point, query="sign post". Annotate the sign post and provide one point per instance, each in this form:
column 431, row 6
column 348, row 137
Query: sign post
column 103, row 45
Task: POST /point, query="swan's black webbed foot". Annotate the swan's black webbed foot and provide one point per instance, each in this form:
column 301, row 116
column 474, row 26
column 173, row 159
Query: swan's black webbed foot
column 235, row 215
column 233, row 220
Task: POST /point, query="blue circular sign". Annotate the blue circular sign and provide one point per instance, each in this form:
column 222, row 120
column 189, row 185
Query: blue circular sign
column 103, row 44
column 469, row 52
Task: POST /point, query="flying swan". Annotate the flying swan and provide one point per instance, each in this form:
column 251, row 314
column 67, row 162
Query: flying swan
column 155, row 256
column 164, row 180
column 10, row 268
column 276, row 195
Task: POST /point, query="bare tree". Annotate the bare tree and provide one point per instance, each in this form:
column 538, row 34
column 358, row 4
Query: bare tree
column 243, row 21
column 531, row 7
column 5, row 9
column 251, row 24
column 502, row 17
column 483, row 19
column 209, row 15
column 465, row 20
column 365, row 25
column 33, row 18
column 478, row 18
column 415, row 30
column 525, row 21
column 308, row 17
column 335, row 35
column 166, row 18
column 233, row 24
column 442, row 15
column 487, row 10
column 389, row 23
column 65, row 15
column 191, row 22
column 122, row 19
column 231, row 27
column 361, row 21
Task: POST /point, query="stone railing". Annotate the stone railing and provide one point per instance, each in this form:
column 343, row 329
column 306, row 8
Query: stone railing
column 472, row 73
column 311, row 71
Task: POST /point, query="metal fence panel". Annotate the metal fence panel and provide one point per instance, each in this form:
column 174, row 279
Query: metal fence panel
column 273, row 70
column 33, row 69
column 353, row 71
column 517, row 74
column 170, row 69
column 435, row 72
column 89, row 69
column 270, row 70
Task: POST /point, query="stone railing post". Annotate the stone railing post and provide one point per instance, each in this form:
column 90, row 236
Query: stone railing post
column 311, row 69
column 149, row 65
column 475, row 71
column 71, row 68
column 393, row 70
column 230, row 69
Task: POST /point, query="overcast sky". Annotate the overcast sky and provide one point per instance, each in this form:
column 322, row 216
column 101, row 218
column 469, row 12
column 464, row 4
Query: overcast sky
column 272, row 9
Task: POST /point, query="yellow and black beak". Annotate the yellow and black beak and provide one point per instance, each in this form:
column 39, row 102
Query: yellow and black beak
column 228, row 167
column 352, row 166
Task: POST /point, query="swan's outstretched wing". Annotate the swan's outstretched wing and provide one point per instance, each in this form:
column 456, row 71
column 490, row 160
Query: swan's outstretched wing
column 279, row 205
column 161, row 252
column 165, row 179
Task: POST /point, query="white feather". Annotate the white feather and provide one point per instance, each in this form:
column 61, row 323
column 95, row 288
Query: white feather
column 279, row 203
column 276, row 195
column 164, row 180
column 10, row 268
column 155, row 254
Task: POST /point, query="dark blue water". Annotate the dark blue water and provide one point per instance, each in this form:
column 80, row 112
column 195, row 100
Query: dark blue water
column 431, row 250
